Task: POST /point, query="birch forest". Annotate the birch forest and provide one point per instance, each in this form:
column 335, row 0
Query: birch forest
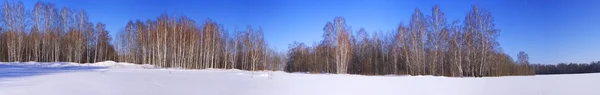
column 426, row 45
column 51, row 34
column 177, row 42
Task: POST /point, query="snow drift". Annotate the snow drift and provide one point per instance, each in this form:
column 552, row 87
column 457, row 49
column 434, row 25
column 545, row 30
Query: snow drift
column 113, row 78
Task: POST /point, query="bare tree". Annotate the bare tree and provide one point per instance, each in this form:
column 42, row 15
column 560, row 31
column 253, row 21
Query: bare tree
column 417, row 35
column 522, row 58
column 342, row 46
column 436, row 40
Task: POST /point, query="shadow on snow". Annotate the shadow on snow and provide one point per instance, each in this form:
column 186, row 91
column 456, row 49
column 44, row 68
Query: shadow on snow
column 17, row 69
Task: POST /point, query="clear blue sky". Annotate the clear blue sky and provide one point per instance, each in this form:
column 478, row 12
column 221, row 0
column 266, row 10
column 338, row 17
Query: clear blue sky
column 550, row 31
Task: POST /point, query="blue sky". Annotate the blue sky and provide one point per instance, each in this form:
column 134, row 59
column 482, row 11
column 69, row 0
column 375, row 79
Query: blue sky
column 550, row 31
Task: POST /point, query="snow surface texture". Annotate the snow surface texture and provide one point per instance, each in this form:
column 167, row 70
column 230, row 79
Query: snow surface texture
column 111, row 78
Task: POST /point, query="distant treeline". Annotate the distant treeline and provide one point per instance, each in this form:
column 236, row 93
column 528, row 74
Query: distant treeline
column 564, row 68
column 427, row 45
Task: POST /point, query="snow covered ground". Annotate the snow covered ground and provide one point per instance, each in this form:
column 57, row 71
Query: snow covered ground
column 110, row 78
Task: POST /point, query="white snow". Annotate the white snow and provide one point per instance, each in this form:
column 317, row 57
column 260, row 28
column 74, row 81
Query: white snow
column 112, row 78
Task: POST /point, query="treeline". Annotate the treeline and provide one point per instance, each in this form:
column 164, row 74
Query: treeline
column 177, row 42
column 50, row 34
column 564, row 68
column 427, row 45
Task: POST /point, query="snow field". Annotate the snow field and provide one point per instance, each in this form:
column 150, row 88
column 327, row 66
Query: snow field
column 112, row 78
